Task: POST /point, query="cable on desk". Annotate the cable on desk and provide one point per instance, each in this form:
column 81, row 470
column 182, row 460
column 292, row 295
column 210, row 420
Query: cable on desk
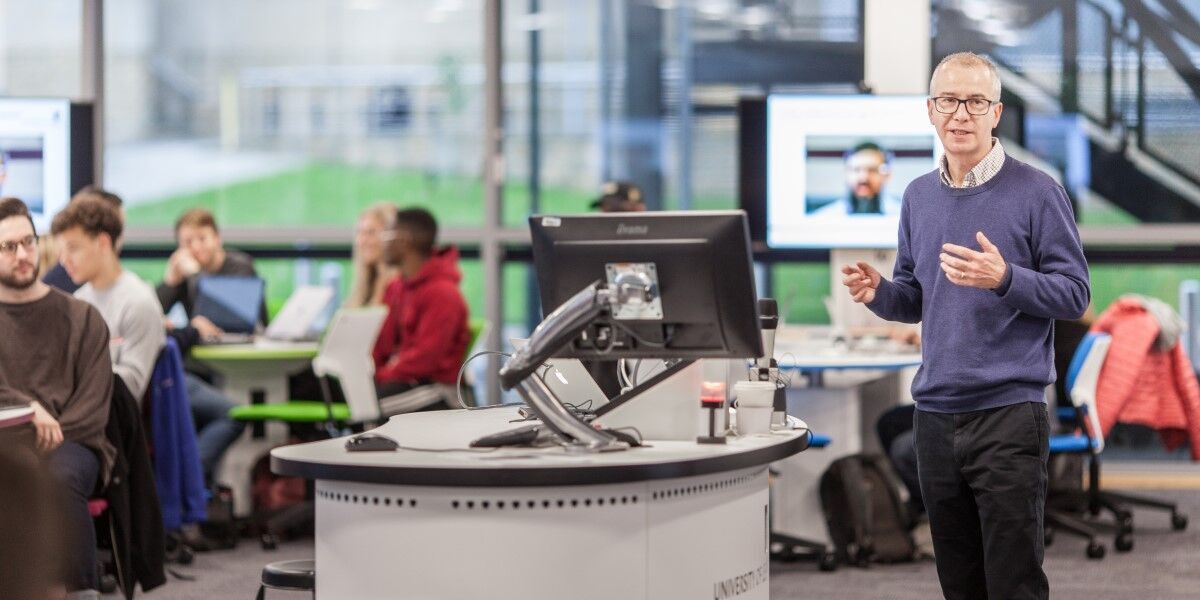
column 463, row 369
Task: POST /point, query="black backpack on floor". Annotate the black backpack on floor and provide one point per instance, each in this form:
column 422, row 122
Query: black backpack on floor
column 866, row 510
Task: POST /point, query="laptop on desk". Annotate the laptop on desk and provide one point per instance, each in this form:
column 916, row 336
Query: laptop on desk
column 299, row 319
column 570, row 381
column 231, row 303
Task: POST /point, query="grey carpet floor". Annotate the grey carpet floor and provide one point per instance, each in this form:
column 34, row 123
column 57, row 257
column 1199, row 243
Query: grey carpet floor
column 1164, row 565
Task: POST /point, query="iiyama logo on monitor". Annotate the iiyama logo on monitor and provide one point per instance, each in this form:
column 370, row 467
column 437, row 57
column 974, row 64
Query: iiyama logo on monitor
column 623, row 229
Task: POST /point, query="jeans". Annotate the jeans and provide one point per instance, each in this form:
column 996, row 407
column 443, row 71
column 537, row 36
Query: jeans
column 76, row 469
column 983, row 479
column 215, row 430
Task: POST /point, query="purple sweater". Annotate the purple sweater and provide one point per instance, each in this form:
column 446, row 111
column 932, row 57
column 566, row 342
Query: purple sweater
column 984, row 349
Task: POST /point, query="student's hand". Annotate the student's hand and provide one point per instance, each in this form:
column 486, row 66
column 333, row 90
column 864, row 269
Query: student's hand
column 49, row 432
column 968, row 268
column 862, row 280
column 180, row 266
column 207, row 330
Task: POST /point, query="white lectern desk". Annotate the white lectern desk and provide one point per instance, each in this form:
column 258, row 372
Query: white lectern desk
column 671, row 520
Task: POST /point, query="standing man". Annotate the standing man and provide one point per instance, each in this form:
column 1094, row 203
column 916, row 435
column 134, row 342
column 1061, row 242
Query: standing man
column 55, row 358
column 988, row 257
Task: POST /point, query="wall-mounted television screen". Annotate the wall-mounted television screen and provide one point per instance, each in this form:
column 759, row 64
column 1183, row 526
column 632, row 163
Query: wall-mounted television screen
column 829, row 171
column 45, row 153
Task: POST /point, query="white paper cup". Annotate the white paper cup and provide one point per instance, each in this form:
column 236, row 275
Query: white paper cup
column 755, row 403
column 753, row 419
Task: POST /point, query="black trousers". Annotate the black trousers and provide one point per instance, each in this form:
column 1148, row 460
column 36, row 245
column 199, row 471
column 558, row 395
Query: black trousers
column 983, row 480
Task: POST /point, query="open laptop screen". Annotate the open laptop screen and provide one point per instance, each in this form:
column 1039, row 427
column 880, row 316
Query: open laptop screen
column 231, row 303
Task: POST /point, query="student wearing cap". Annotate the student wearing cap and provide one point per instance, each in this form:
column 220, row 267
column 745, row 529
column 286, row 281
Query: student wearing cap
column 619, row 196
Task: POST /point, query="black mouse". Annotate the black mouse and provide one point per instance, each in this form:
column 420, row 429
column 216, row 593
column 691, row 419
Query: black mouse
column 371, row 442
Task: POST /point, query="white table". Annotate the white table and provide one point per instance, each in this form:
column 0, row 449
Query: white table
column 253, row 372
column 673, row 520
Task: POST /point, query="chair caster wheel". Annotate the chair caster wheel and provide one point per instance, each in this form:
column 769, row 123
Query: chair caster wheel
column 1095, row 551
column 1179, row 521
column 186, row 555
column 1125, row 522
column 108, row 584
column 1048, row 537
column 1123, row 543
column 269, row 541
column 827, row 562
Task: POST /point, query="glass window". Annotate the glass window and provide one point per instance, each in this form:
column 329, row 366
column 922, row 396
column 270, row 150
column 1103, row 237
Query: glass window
column 294, row 113
column 40, row 48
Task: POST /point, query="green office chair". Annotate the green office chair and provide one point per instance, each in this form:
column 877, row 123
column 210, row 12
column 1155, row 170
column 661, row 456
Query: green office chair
column 344, row 354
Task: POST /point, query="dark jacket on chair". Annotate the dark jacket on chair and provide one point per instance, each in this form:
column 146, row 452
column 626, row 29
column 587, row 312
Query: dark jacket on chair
column 139, row 544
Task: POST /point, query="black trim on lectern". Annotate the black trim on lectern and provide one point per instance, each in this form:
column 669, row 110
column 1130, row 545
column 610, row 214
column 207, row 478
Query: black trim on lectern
column 538, row 476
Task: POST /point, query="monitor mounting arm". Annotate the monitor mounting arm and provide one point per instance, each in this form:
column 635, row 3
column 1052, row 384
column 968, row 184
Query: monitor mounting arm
column 555, row 331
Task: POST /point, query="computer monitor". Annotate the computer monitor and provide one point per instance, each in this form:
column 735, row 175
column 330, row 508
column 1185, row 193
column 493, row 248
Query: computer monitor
column 698, row 262
column 45, row 153
column 829, row 171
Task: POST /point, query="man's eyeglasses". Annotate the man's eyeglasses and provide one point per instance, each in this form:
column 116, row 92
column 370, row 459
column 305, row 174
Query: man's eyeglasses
column 948, row 105
column 9, row 248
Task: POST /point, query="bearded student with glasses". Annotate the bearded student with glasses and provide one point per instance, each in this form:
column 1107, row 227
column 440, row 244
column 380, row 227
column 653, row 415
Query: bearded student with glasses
column 988, row 257
column 54, row 357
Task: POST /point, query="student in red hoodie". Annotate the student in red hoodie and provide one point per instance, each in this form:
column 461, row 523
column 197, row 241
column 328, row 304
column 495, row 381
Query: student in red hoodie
column 424, row 336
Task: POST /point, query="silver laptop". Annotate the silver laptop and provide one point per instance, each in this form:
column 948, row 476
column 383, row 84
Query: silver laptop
column 570, row 381
column 299, row 319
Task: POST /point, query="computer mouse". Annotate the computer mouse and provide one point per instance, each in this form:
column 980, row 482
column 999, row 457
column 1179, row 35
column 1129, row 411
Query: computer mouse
column 624, row 436
column 371, row 442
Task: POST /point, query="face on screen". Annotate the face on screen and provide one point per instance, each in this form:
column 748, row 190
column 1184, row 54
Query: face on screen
column 866, row 173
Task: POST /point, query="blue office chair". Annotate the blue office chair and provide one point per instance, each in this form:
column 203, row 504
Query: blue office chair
column 1062, row 507
column 1082, row 378
column 789, row 548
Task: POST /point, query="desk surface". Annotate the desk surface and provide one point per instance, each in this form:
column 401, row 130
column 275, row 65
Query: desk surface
column 10, row 417
column 257, row 351
column 821, row 353
column 516, row 467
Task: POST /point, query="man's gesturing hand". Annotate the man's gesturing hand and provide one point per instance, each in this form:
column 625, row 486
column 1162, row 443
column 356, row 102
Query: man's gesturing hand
column 968, row 268
column 862, row 280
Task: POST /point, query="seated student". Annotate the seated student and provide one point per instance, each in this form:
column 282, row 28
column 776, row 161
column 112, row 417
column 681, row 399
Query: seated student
column 55, row 358
column 55, row 274
column 87, row 231
column 200, row 252
column 424, row 336
column 371, row 275
column 371, row 272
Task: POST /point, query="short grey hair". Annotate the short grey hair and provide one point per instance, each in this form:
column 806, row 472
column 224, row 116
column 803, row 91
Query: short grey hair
column 970, row 59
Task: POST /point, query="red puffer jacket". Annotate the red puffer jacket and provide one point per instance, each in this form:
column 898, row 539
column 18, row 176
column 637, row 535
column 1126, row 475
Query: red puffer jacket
column 1143, row 386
